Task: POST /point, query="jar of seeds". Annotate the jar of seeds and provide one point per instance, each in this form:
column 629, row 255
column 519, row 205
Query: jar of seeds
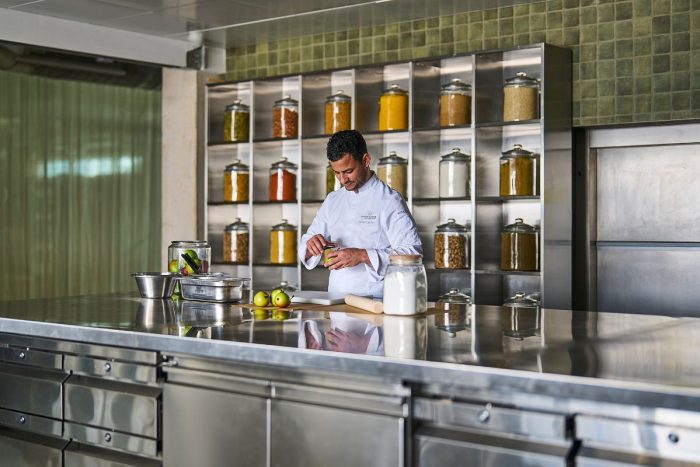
column 520, row 96
column 451, row 246
column 236, row 241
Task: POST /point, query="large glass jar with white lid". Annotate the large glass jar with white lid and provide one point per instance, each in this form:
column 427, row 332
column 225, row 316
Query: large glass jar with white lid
column 332, row 182
column 393, row 109
column 453, row 312
column 236, row 182
column 519, row 247
column 518, row 172
column 198, row 259
column 236, row 241
column 451, row 246
column 283, row 243
column 236, row 122
column 393, row 170
column 455, row 103
column 520, row 96
column 285, row 118
column 338, row 112
column 405, row 286
column 283, row 181
column 455, row 174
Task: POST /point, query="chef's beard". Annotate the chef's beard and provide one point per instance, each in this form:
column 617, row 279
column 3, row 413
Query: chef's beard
column 357, row 184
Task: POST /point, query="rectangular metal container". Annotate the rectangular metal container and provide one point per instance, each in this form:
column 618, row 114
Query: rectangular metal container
column 215, row 288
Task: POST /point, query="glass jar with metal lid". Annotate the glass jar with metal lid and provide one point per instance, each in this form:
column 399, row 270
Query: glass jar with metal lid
column 455, row 103
column 338, row 115
column 283, row 243
column 393, row 109
column 519, row 247
column 451, row 246
column 520, row 317
column 283, row 181
column 518, row 172
column 520, row 95
column 236, row 182
column 393, row 170
column 332, row 182
column 236, row 241
column 236, row 122
column 453, row 312
column 198, row 254
column 285, row 118
column 405, row 286
column 454, row 174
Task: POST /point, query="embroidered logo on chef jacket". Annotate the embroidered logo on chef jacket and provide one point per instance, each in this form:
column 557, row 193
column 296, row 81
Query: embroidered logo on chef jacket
column 368, row 219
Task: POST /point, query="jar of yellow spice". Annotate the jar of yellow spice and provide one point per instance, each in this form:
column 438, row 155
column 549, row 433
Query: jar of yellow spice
column 518, row 172
column 392, row 170
column 393, row 109
column 337, row 109
column 236, row 178
column 283, row 243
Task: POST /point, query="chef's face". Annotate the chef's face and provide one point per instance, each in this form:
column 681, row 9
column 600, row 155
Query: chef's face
column 352, row 173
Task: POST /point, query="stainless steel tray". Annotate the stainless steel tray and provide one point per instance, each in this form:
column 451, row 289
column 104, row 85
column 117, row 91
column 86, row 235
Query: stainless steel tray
column 215, row 288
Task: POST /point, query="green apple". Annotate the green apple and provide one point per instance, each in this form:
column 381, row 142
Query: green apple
column 174, row 266
column 281, row 300
column 261, row 298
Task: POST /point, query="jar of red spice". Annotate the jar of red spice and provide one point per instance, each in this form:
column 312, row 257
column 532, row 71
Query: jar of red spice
column 283, row 181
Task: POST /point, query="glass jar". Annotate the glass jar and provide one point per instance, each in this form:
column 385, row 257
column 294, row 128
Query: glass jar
column 198, row 251
column 455, row 175
column 405, row 286
column 393, row 109
column 451, row 246
column 455, row 103
column 236, row 182
column 393, row 170
column 338, row 114
column 283, row 181
column 332, row 182
column 285, row 118
column 328, row 253
column 287, row 288
column 518, row 169
column 519, row 247
column 520, row 98
column 521, row 316
column 283, row 243
column 236, row 241
column 453, row 312
column 236, row 122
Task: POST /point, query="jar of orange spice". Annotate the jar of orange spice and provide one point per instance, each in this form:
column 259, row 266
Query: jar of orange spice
column 283, row 181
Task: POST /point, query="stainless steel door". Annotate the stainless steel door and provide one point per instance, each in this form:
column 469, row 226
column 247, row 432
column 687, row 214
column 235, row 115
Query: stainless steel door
column 438, row 448
column 213, row 428
column 24, row 449
column 81, row 455
column 308, row 435
column 31, row 390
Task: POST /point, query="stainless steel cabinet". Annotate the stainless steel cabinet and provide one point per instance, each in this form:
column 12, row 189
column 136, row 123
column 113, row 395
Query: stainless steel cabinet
column 80, row 455
column 23, row 449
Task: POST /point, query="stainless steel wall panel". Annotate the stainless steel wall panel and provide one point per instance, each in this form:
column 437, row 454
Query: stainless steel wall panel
column 648, row 279
column 121, row 407
column 31, row 390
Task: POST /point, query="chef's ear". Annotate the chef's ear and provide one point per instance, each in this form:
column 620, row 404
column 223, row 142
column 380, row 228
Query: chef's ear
column 366, row 159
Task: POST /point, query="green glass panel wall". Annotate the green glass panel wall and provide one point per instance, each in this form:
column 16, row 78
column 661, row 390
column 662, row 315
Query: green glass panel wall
column 634, row 60
column 79, row 186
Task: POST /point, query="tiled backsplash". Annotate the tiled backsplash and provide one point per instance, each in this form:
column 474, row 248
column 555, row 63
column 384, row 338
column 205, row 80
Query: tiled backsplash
column 634, row 60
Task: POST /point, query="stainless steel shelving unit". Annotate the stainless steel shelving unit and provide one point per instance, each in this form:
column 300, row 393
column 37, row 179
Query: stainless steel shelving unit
column 423, row 143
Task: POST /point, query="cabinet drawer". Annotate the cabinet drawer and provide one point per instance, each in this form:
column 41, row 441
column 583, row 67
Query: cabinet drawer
column 82, row 455
column 631, row 436
column 32, row 390
column 111, row 369
column 111, row 439
column 438, row 448
column 112, row 405
column 24, row 356
column 33, row 423
column 26, row 449
column 445, row 412
column 591, row 457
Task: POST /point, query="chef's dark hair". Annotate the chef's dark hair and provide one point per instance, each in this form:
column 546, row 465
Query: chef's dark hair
column 346, row 142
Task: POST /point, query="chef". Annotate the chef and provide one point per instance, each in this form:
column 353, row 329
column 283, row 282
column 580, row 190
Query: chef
column 365, row 218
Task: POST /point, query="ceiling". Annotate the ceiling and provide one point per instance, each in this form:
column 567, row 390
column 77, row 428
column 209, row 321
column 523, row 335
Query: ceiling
column 231, row 23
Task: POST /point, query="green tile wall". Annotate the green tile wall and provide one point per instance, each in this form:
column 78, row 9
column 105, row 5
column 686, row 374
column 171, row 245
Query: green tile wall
column 634, row 60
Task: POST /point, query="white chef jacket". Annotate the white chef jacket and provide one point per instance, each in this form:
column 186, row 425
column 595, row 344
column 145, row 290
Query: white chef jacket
column 376, row 219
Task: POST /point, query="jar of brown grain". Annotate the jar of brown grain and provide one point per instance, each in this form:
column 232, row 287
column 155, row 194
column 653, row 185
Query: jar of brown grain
column 518, row 172
column 455, row 103
column 236, row 241
column 519, row 247
column 520, row 96
column 451, row 246
column 285, row 118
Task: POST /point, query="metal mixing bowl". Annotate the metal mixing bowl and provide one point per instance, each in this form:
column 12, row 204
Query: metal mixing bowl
column 155, row 284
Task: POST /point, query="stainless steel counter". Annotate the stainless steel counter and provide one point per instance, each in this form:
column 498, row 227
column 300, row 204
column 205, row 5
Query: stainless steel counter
column 593, row 360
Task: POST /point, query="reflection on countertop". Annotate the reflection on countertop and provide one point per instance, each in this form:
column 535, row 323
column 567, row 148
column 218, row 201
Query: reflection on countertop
column 639, row 348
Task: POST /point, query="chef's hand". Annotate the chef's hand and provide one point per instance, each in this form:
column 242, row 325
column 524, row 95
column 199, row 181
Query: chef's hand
column 314, row 246
column 341, row 341
column 347, row 258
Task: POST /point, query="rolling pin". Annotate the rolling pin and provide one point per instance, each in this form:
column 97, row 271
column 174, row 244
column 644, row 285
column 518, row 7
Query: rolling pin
column 364, row 303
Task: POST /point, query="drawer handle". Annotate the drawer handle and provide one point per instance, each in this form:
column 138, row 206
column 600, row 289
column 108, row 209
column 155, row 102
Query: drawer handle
column 673, row 438
column 21, row 355
column 108, row 367
column 22, row 419
column 485, row 414
column 108, row 438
